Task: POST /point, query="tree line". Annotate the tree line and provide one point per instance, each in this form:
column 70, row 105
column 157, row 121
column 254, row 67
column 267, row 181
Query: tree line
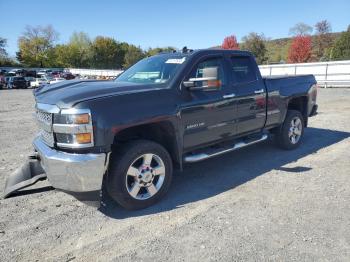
column 303, row 47
column 38, row 47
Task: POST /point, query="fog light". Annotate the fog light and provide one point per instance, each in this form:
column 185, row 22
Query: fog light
column 83, row 138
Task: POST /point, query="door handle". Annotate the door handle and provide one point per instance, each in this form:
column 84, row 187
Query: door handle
column 259, row 91
column 229, row 96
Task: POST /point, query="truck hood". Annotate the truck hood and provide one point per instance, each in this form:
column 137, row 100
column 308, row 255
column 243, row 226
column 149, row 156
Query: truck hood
column 68, row 93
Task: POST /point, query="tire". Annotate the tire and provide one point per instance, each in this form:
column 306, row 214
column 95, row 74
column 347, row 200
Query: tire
column 126, row 184
column 288, row 130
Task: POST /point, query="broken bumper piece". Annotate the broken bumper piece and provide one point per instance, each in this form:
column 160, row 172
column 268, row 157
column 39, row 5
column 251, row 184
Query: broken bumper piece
column 80, row 175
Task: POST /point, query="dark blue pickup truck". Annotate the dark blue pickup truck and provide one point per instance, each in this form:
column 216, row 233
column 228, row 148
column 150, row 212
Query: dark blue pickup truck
column 124, row 137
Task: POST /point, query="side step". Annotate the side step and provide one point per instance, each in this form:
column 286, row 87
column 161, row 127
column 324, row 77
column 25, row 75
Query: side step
column 215, row 152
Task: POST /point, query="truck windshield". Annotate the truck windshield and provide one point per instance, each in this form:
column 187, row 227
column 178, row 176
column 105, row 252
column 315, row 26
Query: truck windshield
column 152, row 70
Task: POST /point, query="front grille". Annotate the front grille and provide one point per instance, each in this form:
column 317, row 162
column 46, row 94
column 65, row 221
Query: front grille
column 45, row 124
column 47, row 137
column 44, row 117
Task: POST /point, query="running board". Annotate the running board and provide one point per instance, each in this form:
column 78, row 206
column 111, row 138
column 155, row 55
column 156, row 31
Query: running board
column 205, row 155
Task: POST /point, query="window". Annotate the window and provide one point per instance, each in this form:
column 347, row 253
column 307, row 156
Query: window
column 209, row 64
column 243, row 70
column 153, row 70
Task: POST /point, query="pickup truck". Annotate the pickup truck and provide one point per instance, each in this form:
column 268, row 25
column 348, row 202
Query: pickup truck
column 124, row 137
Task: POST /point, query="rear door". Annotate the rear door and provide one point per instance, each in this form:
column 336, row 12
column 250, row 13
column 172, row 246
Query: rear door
column 208, row 115
column 250, row 94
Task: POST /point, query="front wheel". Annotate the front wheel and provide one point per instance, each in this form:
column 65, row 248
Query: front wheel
column 139, row 175
column 291, row 131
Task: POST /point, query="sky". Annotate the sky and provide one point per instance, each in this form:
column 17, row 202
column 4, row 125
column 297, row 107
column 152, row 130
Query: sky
column 156, row 23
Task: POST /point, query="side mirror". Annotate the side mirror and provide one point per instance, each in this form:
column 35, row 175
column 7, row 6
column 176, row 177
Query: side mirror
column 208, row 81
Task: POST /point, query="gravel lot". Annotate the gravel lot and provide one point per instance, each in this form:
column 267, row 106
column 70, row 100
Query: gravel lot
column 257, row 204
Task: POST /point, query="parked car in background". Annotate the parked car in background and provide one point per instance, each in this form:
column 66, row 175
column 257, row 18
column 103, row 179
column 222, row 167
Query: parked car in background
column 29, row 79
column 2, row 81
column 40, row 81
column 17, row 82
column 44, row 72
column 57, row 80
column 7, row 80
column 68, row 76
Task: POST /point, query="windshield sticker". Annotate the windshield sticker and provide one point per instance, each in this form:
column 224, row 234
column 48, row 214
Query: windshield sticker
column 175, row 60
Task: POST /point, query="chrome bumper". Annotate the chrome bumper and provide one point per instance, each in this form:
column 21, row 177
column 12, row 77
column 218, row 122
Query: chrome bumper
column 72, row 172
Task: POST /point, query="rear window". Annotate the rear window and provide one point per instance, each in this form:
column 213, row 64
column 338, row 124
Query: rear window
column 243, row 69
column 18, row 78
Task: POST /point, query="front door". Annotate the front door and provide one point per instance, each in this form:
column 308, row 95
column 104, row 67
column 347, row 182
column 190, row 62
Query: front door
column 208, row 115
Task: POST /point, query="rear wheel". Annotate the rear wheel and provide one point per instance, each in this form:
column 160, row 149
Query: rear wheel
column 139, row 175
column 291, row 131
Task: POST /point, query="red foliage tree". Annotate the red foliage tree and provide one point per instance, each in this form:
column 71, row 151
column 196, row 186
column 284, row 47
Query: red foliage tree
column 230, row 42
column 300, row 50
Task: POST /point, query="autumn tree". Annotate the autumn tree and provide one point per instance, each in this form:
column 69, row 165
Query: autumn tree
column 36, row 46
column 323, row 39
column 255, row 43
column 300, row 49
column 230, row 42
column 300, row 29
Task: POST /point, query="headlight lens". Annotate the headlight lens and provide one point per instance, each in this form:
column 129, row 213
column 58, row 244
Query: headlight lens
column 73, row 128
column 72, row 119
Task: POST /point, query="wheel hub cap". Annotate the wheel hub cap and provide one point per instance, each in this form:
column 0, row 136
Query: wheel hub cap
column 145, row 176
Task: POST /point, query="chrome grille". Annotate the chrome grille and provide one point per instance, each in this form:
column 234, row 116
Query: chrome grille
column 47, row 137
column 45, row 124
column 44, row 117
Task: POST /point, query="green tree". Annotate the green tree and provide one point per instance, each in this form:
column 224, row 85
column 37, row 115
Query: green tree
column 341, row 48
column 105, row 52
column 4, row 58
column 36, row 46
column 157, row 50
column 133, row 55
column 255, row 43
column 79, row 48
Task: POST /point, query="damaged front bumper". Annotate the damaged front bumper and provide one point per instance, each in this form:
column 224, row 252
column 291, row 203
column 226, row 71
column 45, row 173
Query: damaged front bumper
column 80, row 175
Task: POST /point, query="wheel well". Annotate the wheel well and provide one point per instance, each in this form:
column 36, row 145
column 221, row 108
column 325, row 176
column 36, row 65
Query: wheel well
column 299, row 104
column 162, row 133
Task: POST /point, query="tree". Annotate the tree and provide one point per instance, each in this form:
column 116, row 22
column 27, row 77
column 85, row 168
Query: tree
column 341, row 48
column 104, row 53
column 35, row 45
column 3, row 43
column 300, row 49
column 300, row 29
column 230, row 42
column 323, row 39
column 157, row 50
column 133, row 55
column 79, row 47
column 255, row 43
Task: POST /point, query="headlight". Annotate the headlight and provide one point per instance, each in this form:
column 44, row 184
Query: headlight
column 73, row 128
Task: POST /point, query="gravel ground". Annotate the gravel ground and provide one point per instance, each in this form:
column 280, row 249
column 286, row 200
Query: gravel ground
column 256, row 204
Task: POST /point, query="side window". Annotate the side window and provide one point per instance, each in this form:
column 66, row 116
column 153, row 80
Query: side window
column 204, row 69
column 243, row 69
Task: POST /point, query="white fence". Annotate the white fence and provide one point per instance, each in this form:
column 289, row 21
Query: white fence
column 327, row 74
column 94, row 72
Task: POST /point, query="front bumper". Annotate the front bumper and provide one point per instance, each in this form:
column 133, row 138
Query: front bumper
column 78, row 174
